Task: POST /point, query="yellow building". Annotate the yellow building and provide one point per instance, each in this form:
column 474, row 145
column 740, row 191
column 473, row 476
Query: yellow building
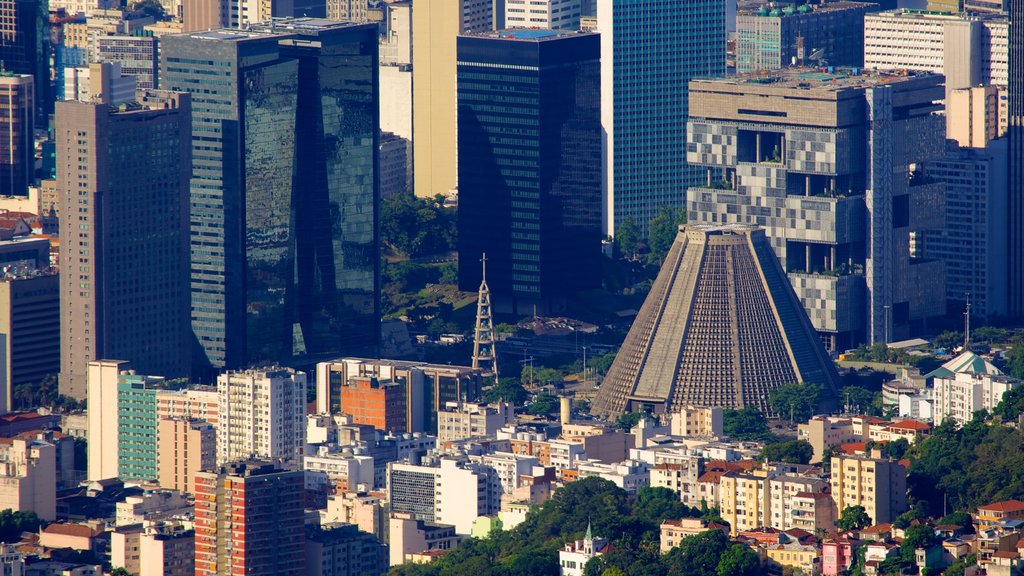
column 803, row 557
column 878, row 484
column 744, row 501
column 673, row 531
column 435, row 26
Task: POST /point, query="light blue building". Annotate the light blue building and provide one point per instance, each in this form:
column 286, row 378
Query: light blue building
column 649, row 53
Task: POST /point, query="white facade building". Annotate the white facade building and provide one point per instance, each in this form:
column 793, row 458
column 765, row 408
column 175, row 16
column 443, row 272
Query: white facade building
column 101, row 389
column 454, row 493
column 28, row 477
column 630, row 475
column 550, row 14
column 459, row 421
column 965, row 385
column 573, row 557
column 262, row 414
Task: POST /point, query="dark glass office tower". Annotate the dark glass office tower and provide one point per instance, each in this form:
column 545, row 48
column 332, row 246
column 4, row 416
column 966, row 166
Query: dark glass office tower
column 25, row 47
column 529, row 165
column 1015, row 9
column 284, row 265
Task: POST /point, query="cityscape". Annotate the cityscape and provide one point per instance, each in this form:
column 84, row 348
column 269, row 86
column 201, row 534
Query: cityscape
column 511, row 287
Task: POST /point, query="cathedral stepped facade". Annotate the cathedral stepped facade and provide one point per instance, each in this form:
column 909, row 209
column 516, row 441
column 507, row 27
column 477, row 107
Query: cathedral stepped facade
column 720, row 327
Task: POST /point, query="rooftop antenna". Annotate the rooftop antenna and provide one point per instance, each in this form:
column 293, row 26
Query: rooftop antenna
column 967, row 323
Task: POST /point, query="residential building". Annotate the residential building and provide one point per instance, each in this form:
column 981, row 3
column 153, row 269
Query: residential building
column 803, row 557
column 29, row 324
column 662, row 369
column 17, row 139
column 545, row 14
column 132, row 207
column 435, row 26
column 249, row 519
column 974, row 384
column 167, row 549
column 1015, row 120
column 681, row 478
column 137, row 455
column 768, row 37
column 99, row 82
column 339, row 469
column 367, row 511
column 512, row 470
column 103, row 417
column 28, row 477
column 697, row 421
column 195, row 402
column 151, row 505
column 673, row 531
column 395, row 76
column 348, row 10
column 573, row 557
column 262, row 415
column 649, row 53
column 630, row 475
column 744, row 500
column 795, row 155
column 992, row 515
column 460, row 421
column 878, row 484
column 453, row 493
column 312, row 288
column 529, row 202
column 137, row 56
column 409, row 535
column 837, row 555
column 823, row 432
column 25, row 49
column 799, row 501
column 968, row 49
column 343, row 550
column 185, row 447
column 428, row 387
column 395, row 169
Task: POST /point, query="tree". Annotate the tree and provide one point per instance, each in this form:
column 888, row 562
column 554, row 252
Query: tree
column 796, row 402
column 919, row 536
column 790, row 452
column 961, row 519
column 627, row 236
column 745, row 424
column 853, row 518
column 856, row 399
column 896, row 449
column 826, row 460
column 738, row 560
column 543, row 404
column 120, row 572
column 12, row 524
column 662, row 231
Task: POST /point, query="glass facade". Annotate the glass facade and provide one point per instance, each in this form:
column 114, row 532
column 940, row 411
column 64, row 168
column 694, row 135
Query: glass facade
column 25, row 47
column 650, row 52
column 1015, row 132
column 284, row 210
column 529, row 165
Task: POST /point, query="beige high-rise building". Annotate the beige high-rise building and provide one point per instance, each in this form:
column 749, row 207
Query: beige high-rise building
column 185, row 447
column 436, row 24
column 199, row 15
column 878, row 484
column 103, row 418
column 193, row 403
column 972, row 116
column 125, row 288
column 262, row 415
column 28, row 477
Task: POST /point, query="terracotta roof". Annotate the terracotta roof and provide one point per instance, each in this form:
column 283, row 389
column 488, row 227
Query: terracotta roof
column 713, row 477
column 1004, row 506
column 1004, row 554
column 877, row 528
column 910, row 425
column 850, row 447
column 667, row 466
column 17, row 416
column 77, row 530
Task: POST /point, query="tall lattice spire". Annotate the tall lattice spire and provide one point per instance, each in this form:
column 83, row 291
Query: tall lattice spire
column 484, row 355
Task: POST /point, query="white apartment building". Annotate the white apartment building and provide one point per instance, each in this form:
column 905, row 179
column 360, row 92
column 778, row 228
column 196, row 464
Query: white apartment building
column 462, row 420
column 28, row 477
column 968, row 50
column 509, row 468
column 965, row 385
column 86, row 83
column 262, row 414
column 630, row 475
column 151, row 505
column 344, row 468
column 194, row 403
column 454, row 493
column 101, row 389
column 697, row 421
column 550, row 14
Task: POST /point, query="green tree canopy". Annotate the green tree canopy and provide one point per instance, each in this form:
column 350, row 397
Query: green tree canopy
column 738, row 560
column 627, row 236
column 790, row 452
column 853, row 518
column 745, row 424
column 662, row 231
column 795, row 402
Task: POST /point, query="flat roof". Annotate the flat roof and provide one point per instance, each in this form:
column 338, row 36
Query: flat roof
column 529, row 34
column 828, row 78
column 230, row 35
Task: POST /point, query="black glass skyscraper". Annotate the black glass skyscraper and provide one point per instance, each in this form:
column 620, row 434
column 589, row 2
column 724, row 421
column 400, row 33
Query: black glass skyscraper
column 1015, row 94
column 529, row 165
column 284, row 229
column 25, row 47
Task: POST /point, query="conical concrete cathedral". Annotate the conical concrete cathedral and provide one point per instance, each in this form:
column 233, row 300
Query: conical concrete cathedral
column 721, row 327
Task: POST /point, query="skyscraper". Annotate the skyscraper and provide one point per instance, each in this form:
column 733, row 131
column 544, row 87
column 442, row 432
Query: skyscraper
column 284, row 188
column 124, row 294
column 25, row 47
column 1016, row 159
column 529, row 165
column 436, row 24
column 249, row 520
column 17, row 152
column 649, row 53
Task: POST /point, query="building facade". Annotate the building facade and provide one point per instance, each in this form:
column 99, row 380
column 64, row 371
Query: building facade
column 649, row 54
column 28, row 477
column 29, row 326
column 185, row 448
column 137, row 56
column 17, row 139
column 125, row 289
column 1015, row 10
column 771, row 38
column 548, row 14
column 262, row 415
column 831, row 165
column 878, row 484
column 25, row 48
column 529, row 155
column 249, row 520
column 137, row 454
column 266, row 285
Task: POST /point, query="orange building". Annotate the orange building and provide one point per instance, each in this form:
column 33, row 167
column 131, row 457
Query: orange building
column 376, row 403
column 990, row 515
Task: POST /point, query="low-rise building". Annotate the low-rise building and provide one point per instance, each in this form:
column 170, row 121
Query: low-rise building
column 965, row 385
column 803, row 557
column 697, row 421
column 411, row 536
column 630, row 475
column 461, row 420
column 167, row 549
column 151, row 505
column 878, row 484
column 837, row 555
column 343, row 550
column 991, row 515
column 573, row 557
column 28, row 476
column 673, row 531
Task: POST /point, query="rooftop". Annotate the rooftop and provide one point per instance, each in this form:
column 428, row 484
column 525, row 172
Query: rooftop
column 821, row 79
column 765, row 11
column 529, row 34
column 1004, row 506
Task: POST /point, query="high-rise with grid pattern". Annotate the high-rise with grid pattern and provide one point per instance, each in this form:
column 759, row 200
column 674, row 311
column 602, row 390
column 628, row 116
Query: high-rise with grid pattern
column 649, row 53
